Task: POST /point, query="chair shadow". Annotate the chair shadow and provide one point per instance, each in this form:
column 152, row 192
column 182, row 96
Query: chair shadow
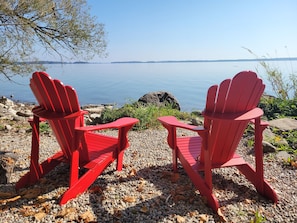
column 57, row 178
column 158, row 194
column 176, row 196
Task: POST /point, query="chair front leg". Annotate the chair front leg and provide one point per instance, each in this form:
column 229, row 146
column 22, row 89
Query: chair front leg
column 258, row 147
column 35, row 172
column 123, row 143
column 171, row 140
column 35, row 168
column 120, row 157
column 74, row 168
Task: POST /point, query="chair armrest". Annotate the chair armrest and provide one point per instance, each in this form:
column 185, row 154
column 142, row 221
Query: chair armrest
column 240, row 116
column 122, row 124
column 50, row 115
column 174, row 122
column 119, row 123
column 262, row 123
column 171, row 123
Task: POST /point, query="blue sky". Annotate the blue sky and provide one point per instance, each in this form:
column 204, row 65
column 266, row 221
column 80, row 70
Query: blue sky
column 194, row 29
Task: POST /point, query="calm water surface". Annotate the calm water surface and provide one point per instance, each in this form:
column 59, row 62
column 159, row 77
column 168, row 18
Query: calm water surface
column 123, row 83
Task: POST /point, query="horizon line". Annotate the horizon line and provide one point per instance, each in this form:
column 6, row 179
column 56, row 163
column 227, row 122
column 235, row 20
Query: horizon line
column 164, row 61
column 208, row 60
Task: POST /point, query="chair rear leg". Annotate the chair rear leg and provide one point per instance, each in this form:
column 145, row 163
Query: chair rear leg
column 259, row 182
column 37, row 170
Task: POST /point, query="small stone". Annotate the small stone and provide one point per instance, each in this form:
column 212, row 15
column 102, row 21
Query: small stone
column 8, row 127
column 22, row 131
column 283, row 155
column 17, row 118
column 97, row 109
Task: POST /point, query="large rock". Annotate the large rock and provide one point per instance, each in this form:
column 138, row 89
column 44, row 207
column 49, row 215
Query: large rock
column 11, row 110
column 5, row 101
column 284, row 124
column 159, row 98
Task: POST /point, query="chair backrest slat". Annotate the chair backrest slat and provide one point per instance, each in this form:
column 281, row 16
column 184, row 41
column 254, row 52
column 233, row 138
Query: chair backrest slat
column 55, row 97
column 37, row 87
column 240, row 94
column 73, row 100
column 222, row 95
column 63, row 96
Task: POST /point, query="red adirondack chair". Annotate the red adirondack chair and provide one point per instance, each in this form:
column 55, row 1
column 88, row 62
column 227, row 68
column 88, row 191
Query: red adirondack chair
column 229, row 108
column 81, row 147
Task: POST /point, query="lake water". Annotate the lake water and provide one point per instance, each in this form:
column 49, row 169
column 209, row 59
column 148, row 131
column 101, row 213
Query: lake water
column 125, row 82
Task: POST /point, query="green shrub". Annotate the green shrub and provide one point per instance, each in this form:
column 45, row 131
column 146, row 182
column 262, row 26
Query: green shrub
column 258, row 218
column 2, row 127
column 277, row 108
column 147, row 115
column 44, row 127
column 291, row 138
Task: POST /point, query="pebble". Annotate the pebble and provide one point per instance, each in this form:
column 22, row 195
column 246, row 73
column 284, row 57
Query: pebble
column 144, row 190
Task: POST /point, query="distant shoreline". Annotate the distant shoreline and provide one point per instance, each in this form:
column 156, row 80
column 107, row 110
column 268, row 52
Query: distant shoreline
column 210, row 61
column 166, row 61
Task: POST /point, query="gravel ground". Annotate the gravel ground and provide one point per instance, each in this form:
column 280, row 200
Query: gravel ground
column 145, row 190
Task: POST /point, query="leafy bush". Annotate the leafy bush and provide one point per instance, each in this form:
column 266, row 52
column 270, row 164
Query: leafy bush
column 277, row 108
column 44, row 127
column 147, row 115
column 291, row 139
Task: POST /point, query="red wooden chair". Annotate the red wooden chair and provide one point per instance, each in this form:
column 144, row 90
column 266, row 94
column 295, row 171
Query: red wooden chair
column 229, row 108
column 80, row 146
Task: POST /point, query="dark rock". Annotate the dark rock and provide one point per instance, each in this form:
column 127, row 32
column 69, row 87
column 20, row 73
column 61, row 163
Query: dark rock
column 268, row 147
column 197, row 121
column 159, row 98
column 25, row 113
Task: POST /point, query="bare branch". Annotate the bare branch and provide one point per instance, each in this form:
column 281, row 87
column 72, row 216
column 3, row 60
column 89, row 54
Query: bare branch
column 58, row 26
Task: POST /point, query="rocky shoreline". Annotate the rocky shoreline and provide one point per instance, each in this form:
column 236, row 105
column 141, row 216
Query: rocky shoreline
column 145, row 191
